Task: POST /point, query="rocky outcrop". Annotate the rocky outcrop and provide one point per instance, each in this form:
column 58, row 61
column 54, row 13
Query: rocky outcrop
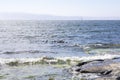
column 104, row 69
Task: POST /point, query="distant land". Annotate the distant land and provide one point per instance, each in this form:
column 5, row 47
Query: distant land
column 27, row 16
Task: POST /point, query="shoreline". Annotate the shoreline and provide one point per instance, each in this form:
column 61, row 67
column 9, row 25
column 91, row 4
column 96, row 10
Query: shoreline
column 55, row 60
column 51, row 68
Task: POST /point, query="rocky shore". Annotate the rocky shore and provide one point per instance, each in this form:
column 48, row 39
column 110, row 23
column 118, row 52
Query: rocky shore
column 98, row 67
column 108, row 69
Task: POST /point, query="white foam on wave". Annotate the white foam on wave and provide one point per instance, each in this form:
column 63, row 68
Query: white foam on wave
column 34, row 60
column 20, row 60
column 105, row 56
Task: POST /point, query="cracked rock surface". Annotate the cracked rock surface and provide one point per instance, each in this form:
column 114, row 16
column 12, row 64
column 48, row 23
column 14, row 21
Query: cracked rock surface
column 108, row 69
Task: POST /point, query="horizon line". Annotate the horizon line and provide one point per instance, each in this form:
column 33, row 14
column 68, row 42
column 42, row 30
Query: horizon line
column 58, row 15
column 31, row 16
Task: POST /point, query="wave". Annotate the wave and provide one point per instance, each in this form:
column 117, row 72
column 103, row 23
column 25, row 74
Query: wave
column 29, row 51
column 90, row 47
column 96, row 45
column 51, row 60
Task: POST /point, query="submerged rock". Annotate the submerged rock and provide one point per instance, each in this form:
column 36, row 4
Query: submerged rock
column 104, row 69
column 59, row 41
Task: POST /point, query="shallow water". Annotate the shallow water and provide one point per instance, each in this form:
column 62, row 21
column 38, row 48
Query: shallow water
column 34, row 72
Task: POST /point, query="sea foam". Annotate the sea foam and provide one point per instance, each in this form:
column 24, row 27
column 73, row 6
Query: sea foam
column 55, row 60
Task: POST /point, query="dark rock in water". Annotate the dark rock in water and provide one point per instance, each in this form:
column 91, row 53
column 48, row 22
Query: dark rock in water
column 59, row 41
column 104, row 69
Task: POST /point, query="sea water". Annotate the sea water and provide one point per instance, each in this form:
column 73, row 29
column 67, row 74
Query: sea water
column 33, row 39
column 30, row 41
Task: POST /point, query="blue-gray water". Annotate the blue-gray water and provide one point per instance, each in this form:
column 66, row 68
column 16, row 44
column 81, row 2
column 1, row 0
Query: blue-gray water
column 54, row 38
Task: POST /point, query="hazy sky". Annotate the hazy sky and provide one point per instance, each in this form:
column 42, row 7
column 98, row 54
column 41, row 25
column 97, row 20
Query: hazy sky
column 91, row 8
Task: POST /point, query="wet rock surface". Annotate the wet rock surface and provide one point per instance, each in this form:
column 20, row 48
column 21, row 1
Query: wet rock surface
column 108, row 69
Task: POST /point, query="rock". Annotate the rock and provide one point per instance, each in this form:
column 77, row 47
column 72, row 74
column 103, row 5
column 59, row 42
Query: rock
column 118, row 78
column 59, row 41
column 83, row 63
column 104, row 69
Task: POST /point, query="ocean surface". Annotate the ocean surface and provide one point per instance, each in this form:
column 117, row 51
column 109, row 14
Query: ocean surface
column 23, row 44
column 33, row 39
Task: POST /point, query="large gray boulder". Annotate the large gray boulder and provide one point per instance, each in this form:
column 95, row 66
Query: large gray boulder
column 105, row 69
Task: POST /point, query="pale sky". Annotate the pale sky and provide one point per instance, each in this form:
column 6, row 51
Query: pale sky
column 88, row 8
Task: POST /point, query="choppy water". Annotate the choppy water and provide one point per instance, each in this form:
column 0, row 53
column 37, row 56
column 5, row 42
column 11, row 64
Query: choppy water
column 54, row 38
column 30, row 41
